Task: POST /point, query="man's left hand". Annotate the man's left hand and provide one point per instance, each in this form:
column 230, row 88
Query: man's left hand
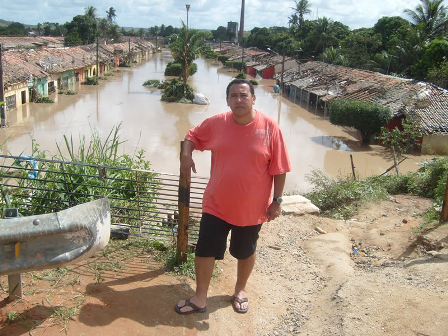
column 274, row 211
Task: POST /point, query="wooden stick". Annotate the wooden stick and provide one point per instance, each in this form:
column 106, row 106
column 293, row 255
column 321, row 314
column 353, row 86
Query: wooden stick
column 444, row 212
column 353, row 168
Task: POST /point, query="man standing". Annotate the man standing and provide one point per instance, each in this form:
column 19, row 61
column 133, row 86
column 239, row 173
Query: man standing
column 249, row 160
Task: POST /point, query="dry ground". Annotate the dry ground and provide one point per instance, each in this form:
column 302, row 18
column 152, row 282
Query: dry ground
column 366, row 276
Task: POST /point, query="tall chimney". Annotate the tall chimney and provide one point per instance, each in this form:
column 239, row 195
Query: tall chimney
column 240, row 34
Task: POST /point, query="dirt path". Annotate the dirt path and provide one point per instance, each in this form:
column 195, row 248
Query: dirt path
column 363, row 277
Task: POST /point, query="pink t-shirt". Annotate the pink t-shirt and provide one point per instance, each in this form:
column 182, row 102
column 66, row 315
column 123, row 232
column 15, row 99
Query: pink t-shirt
column 244, row 161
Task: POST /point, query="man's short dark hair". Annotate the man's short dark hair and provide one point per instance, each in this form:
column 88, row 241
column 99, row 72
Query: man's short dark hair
column 240, row 81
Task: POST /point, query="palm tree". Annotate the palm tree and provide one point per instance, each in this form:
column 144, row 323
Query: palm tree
column 111, row 15
column 178, row 46
column 90, row 12
column 431, row 15
column 293, row 20
column 302, row 8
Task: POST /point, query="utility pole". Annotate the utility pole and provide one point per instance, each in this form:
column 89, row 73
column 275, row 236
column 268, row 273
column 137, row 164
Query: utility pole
column 97, row 63
column 186, row 46
column 2, row 93
column 283, row 70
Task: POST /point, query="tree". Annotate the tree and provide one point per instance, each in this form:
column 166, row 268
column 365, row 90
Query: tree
column 392, row 29
column 366, row 117
column 220, row 34
column 323, row 35
column 431, row 57
column 111, row 15
column 302, row 7
column 431, row 15
column 293, row 20
column 178, row 47
column 402, row 139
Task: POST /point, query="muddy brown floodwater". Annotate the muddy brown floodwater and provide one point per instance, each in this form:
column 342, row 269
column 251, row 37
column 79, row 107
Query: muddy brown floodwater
column 158, row 127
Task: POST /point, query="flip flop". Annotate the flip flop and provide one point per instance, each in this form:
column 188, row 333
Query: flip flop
column 195, row 309
column 240, row 301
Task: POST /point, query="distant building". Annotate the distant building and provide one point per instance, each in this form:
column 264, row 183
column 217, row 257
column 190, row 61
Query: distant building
column 232, row 28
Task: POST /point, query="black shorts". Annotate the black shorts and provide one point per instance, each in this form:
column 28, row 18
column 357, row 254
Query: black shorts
column 213, row 234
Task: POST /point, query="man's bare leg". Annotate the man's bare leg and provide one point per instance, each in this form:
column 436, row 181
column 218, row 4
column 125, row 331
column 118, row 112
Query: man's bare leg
column 245, row 267
column 204, row 270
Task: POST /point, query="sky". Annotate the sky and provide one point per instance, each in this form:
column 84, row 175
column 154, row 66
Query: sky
column 204, row 14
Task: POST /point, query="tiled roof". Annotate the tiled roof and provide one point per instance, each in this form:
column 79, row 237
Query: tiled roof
column 423, row 102
column 11, row 42
column 21, row 65
column 16, row 69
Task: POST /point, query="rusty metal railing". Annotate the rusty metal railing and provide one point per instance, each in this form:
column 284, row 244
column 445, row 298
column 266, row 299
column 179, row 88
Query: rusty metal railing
column 143, row 203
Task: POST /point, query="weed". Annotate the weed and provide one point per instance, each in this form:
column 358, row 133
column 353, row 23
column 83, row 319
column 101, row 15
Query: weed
column 11, row 316
column 62, row 315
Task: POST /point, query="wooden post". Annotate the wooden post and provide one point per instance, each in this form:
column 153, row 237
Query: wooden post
column 444, row 213
column 184, row 211
column 353, row 168
column 395, row 160
column 2, row 94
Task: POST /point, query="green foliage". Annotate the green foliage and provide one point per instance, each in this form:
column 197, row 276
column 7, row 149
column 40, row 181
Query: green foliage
column 44, row 100
column 71, row 184
column 68, row 92
column 439, row 75
column 175, row 90
column 341, row 197
column 90, row 81
column 241, row 75
column 178, row 46
column 174, row 69
column 366, row 117
column 236, row 65
column 253, row 81
column 402, row 140
column 223, row 58
column 152, row 82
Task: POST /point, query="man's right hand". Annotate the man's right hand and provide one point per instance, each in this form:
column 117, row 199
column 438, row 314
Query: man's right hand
column 186, row 166
column 186, row 161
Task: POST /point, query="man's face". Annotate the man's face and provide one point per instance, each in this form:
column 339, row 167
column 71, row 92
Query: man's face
column 240, row 100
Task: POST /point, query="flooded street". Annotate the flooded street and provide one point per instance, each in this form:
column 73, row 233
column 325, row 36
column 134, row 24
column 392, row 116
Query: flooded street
column 158, row 127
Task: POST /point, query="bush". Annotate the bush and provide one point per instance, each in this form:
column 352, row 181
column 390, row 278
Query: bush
column 90, row 81
column 253, row 81
column 174, row 69
column 341, row 198
column 366, row 117
column 175, row 90
column 235, row 65
column 241, row 75
column 223, row 58
column 152, row 82
column 44, row 100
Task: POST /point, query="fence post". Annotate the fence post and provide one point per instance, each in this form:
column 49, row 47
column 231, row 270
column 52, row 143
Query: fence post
column 184, row 209
column 444, row 212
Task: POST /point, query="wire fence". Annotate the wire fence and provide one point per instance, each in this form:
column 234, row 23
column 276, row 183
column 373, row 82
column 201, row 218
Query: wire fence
column 143, row 203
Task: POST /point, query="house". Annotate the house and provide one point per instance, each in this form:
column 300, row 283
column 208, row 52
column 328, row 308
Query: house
column 20, row 78
column 314, row 84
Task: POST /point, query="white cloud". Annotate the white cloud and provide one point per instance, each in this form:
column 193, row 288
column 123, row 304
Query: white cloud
column 208, row 14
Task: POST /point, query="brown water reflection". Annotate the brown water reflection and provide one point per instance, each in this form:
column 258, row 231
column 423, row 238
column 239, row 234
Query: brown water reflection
column 158, row 127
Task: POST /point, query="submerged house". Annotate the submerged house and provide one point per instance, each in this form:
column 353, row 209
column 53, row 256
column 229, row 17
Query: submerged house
column 40, row 70
column 314, row 84
column 19, row 78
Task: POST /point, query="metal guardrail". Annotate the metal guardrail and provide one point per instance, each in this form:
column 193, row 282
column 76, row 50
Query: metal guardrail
column 143, row 203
